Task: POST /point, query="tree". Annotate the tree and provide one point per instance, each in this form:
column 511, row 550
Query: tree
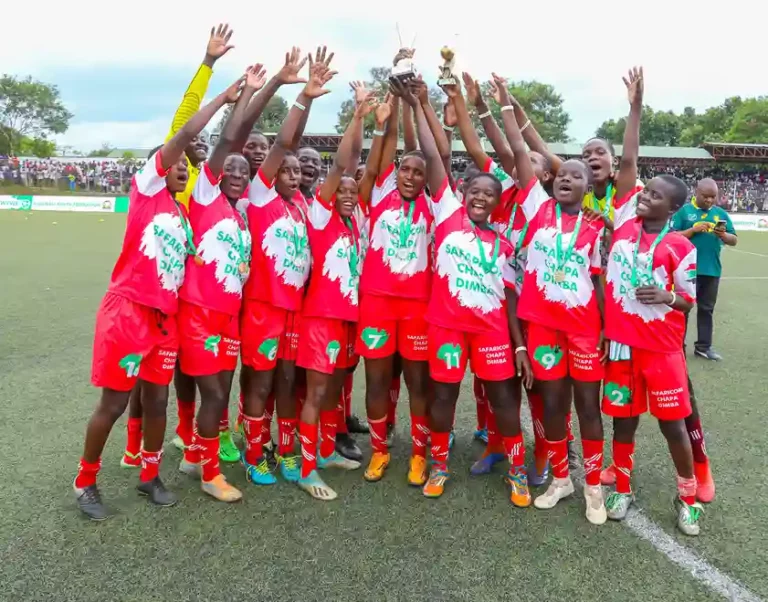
column 36, row 147
column 29, row 108
column 657, row 128
column 378, row 82
column 542, row 104
column 270, row 121
column 104, row 151
column 750, row 122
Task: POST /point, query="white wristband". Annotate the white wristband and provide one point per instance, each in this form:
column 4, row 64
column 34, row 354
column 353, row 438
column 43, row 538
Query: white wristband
column 299, row 106
column 507, row 108
column 674, row 298
column 447, row 128
column 378, row 132
column 527, row 123
column 484, row 115
column 521, row 348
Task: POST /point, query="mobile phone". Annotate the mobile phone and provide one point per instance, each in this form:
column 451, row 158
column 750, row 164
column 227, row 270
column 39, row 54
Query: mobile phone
column 720, row 225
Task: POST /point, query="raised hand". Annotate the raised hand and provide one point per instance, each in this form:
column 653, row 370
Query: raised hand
column 500, row 91
column 319, row 74
column 232, row 93
column 419, row 90
column 474, row 97
column 255, row 77
column 383, row 110
column 452, row 90
column 403, row 91
column 289, row 73
column 364, row 98
column 218, row 44
column 635, row 86
column 449, row 114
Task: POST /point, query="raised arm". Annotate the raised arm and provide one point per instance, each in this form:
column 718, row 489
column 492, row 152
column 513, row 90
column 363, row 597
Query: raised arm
column 346, row 155
column 472, row 143
column 492, row 129
column 173, row 149
column 288, row 74
column 320, row 57
column 319, row 75
column 382, row 114
column 389, row 151
column 420, row 90
column 218, row 46
column 627, row 177
column 254, row 80
column 525, row 172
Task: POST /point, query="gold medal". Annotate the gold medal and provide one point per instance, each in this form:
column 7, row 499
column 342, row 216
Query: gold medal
column 243, row 267
column 199, row 260
column 559, row 276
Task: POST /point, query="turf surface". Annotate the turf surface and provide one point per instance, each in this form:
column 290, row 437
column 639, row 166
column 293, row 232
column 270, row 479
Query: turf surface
column 378, row 541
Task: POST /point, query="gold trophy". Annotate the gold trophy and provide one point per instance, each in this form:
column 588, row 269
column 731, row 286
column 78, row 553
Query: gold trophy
column 447, row 78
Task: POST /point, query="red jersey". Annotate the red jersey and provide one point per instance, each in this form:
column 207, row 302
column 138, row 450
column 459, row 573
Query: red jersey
column 398, row 261
column 469, row 281
column 336, row 263
column 216, row 274
column 150, row 269
column 280, row 259
column 673, row 267
column 559, row 294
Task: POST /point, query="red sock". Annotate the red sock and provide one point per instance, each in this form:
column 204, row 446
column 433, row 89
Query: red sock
column 192, row 451
column 439, row 450
column 686, row 489
column 224, row 421
column 133, row 440
column 86, row 473
column 186, row 413
column 494, row 438
column 266, row 428
column 419, row 435
column 253, row 429
column 696, row 435
column 341, row 416
column 558, row 458
column 308, row 438
column 209, row 457
column 328, row 419
column 286, row 433
column 623, row 461
column 593, row 460
column 150, row 465
column 346, row 393
column 536, row 404
column 394, row 395
column 514, row 448
column 569, row 427
column 379, row 435
column 481, row 403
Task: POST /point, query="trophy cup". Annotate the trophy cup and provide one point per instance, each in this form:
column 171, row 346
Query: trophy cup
column 447, row 78
column 404, row 69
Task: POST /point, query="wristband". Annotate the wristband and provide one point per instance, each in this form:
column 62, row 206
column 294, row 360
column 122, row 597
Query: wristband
column 507, row 108
column 484, row 115
column 299, row 106
column 521, row 348
column 674, row 298
column 447, row 128
column 527, row 123
column 378, row 132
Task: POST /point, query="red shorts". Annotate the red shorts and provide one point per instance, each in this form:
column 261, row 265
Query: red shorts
column 326, row 344
column 132, row 341
column 489, row 355
column 267, row 333
column 209, row 340
column 661, row 378
column 388, row 325
column 556, row 354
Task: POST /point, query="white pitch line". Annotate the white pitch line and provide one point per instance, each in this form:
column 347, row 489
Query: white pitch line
column 689, row 561
column 748, row 253
column 744, row 278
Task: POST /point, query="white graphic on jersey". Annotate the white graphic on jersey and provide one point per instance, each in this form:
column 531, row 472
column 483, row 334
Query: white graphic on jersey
column 412, row 257
column 467, row 280
column 285, row 241
column 336, row 268
column 220, row 245
column 541, row 261
column 163, row 240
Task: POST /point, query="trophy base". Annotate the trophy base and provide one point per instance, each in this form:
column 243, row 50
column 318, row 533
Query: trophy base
column 404, row 75
column 447, row 81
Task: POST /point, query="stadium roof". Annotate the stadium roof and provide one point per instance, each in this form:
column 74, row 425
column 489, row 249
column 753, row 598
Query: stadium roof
column 742, row 153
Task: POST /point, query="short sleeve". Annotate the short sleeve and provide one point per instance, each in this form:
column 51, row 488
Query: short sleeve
column 150, row 179
column 443, row 203
column 261, row 191
column 625, row 208
column 532, row 198
column 207, row 187
column 595, row 259
column 493, row 168
column 684, row 275
column 385, row 183
column 729, row 224
column 320, row 212
column 678, row 220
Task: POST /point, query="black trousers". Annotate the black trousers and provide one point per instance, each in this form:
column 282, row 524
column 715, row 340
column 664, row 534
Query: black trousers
column 706, row 298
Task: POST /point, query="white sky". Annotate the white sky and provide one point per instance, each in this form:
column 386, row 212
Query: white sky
column 692, row 55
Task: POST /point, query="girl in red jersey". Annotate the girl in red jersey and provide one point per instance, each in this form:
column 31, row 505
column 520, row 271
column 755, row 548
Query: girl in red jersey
column 471, row 312
column 277, row 216
column 329, row 312
column 212, row 292
column 136, row 336
column 562, row 302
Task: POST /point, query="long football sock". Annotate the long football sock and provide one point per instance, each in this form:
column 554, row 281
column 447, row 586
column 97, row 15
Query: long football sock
column 379, row 435
column 593, row 460
column 308, row 438
column 186, row 413
column 133, row 438
column 253, row 429
column 328, row 424
column 419, row 435
column 623, row 462
column 514, row 448
column 87, row 473
column 209, row 457
column 286, row 430
column 558, row 458
column 150, row 465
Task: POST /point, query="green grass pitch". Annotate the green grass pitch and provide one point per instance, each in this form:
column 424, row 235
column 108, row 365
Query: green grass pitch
column 378, row 542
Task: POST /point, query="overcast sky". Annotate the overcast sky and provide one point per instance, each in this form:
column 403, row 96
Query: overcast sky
column 122, row 68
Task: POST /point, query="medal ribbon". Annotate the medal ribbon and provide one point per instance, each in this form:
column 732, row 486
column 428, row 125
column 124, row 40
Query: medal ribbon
column 608, row 201
column 298, row 241
column 562, row 260
column 241, row 250
column 406, row 223
column 634, row 277
column 487, row 265
column 354, row 257
column 189, row 243
column 523, row 232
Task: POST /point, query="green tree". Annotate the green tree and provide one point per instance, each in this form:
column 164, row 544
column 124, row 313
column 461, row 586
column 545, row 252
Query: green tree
column 29, row 108
column 378, row 82
column 270, row 121
column 36, row 147
column 542, row 104
column 750, row 122
column 657, row 128
column 104, row 151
